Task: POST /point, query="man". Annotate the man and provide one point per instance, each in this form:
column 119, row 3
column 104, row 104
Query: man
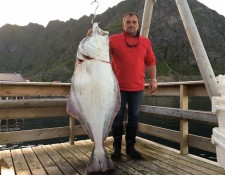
column 130, row 55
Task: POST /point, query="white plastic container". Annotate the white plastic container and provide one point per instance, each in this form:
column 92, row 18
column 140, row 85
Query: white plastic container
column 221, row 120
column 221, row 85
column 218, row 106
column 218, row 139
column 218, row 103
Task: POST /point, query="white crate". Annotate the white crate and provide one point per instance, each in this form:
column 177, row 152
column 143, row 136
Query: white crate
column 221, row 85
column 218, row 139
column 218, row 106
column 221, row 120
column 221, row 89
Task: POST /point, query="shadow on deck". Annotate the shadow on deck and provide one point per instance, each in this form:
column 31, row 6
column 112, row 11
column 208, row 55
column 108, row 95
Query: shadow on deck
column 63, row 158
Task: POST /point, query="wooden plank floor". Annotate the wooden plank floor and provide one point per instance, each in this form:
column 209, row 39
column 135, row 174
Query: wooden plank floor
column 60, row 159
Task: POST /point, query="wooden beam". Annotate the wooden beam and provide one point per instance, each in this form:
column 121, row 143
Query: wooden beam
column 184, row 122
column 19, row 113
column 6, row 163
column 195, row 141
column 180, row 113
column 198, row 48
column 146, row 18
column 201, row 143
column 72, row 129
column 34, row 89
column 159, row 132
column 19, row 162
column 33, row 103
column 195, row 88
column 38, row 134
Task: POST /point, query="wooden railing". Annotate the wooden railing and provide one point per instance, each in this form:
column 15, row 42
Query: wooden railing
column 49, row 100
column 39, row 100
column 184, row 90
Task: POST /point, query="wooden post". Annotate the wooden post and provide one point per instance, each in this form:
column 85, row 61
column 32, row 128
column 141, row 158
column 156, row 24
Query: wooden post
column 147, row 15
column 183, row 122
column 198, row 48
column 72, row 128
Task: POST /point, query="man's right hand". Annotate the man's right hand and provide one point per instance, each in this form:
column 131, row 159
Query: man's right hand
column 89, row 32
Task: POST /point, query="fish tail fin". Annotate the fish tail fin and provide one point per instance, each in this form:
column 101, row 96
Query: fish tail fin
column 99, row 162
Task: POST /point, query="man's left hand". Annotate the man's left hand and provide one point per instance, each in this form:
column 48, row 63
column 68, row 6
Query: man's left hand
column 152, row 86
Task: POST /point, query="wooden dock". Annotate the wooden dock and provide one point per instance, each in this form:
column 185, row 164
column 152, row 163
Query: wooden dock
column 44, row 99
column 63, row 158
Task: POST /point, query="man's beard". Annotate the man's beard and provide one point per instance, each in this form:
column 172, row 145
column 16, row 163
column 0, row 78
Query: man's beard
column 131, row 31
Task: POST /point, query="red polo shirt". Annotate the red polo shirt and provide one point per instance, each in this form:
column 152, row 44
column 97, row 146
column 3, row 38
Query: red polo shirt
column 129, row 63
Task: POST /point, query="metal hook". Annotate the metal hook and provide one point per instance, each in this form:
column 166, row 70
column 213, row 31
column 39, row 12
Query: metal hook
column 92, row 21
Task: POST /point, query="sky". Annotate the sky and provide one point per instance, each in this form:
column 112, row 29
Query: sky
column 22, row 12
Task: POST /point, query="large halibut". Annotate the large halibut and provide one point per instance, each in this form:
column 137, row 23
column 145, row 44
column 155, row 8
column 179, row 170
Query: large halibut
column 94, row 95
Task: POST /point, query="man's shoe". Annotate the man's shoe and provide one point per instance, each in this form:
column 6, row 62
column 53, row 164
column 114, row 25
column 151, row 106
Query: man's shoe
column 117, row 133
column 131, row 151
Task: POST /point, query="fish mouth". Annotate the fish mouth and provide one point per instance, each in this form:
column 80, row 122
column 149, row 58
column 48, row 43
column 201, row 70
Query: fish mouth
column 99, row 30
column 102, row 32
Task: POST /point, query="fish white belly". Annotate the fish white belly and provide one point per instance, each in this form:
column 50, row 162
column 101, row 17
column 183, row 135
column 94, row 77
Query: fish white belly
column 94, row 94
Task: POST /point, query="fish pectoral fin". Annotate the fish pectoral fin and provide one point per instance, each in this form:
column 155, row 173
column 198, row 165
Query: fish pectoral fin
column 71, row 109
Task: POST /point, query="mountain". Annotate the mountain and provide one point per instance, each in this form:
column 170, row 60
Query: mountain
column 48, row 53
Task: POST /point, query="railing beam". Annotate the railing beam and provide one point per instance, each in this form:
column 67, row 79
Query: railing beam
column 72, row 129
column 183, row 122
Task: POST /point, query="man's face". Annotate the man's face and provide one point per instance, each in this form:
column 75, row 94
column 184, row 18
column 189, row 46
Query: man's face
column 130, row 25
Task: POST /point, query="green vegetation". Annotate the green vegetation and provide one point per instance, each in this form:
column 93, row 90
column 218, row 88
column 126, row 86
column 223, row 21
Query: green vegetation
column 49, row 54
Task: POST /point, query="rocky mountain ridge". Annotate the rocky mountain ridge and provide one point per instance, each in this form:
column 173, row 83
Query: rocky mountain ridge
column 48, row 53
